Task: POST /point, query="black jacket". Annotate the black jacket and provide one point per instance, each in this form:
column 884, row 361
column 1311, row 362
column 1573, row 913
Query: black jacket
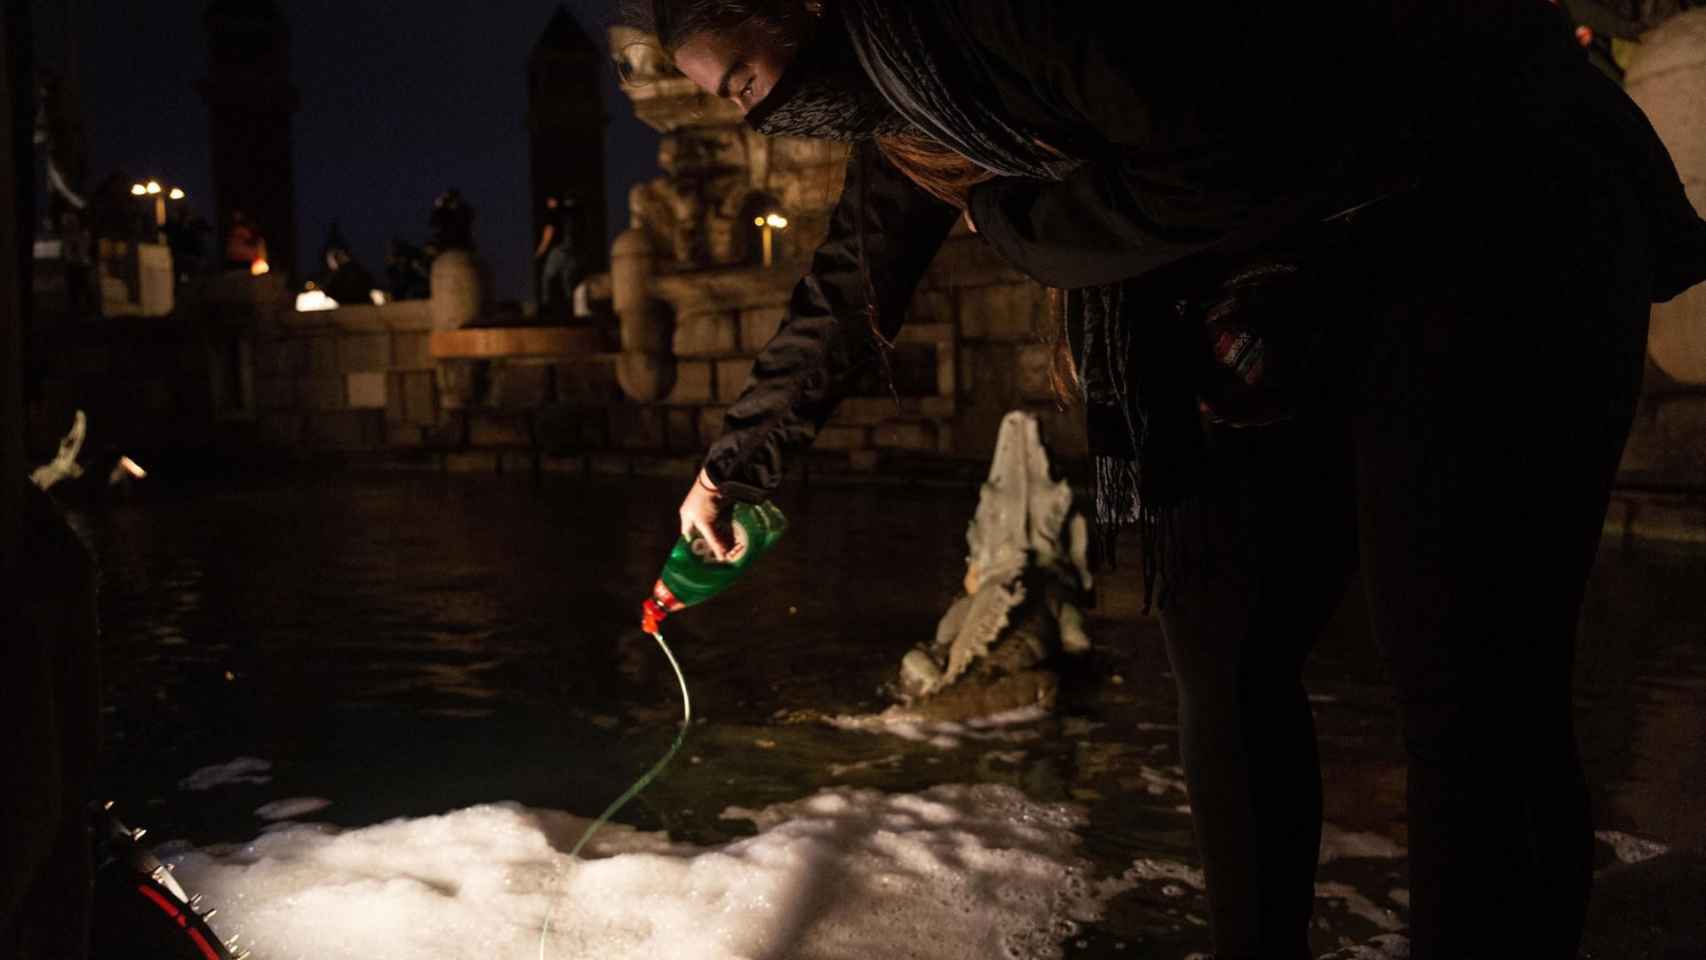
column 1199, row 129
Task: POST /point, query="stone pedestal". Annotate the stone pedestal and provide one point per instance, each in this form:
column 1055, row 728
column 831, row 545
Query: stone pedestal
column 459, row 289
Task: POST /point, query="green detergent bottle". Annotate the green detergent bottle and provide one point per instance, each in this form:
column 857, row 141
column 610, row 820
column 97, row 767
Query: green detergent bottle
column 692, row 575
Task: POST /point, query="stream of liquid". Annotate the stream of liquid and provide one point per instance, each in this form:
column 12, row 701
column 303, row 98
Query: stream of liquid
column 633, row 791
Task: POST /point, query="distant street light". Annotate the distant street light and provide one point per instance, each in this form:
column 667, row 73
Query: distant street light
column 160, row 194
column 769, row 223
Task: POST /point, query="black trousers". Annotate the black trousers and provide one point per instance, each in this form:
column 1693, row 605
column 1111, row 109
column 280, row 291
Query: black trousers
column 1463, row 455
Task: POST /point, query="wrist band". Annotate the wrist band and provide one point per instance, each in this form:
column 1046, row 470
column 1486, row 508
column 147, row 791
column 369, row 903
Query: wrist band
column 703, row 482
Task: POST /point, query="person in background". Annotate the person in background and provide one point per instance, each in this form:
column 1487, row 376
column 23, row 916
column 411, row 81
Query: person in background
column 452, row 222
column 406, row 270
column 1357, row 282
column 345, row 279
column 561, row 271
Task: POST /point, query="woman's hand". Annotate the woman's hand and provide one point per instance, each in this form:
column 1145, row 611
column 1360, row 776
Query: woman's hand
column 702, row 511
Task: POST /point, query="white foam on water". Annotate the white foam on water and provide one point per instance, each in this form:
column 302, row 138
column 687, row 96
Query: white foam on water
column 291, row 808
column 1358, row 904
column 953, row 873
column 945, row 734
column 240, row 770
column 1630, row 848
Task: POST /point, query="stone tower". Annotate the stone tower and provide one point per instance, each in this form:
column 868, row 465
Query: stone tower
column 250, row 100
column 565, row 123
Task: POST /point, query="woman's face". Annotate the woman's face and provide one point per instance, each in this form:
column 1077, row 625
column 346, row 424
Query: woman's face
column 738, row 65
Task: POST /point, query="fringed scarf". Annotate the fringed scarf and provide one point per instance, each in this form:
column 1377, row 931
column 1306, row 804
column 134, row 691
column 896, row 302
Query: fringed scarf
column 1138, row 357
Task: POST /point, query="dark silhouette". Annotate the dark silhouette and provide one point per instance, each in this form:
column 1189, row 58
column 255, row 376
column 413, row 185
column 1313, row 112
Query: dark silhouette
column 408, row 271
column 345, row 279
column 452, row 222
column 564, row 266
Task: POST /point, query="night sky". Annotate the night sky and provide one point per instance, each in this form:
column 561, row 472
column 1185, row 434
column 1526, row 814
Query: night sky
column 400, row 99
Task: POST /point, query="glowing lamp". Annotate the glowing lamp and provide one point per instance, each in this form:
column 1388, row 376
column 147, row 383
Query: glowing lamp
column 259, row 268
column 153, row 187
column 776, row 221
column 138, row 190
column 176, row 194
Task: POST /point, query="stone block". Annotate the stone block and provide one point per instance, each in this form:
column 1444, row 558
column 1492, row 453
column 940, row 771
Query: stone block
column 281, row 358
column 517, row 462
column 449, row 432
column 281, row 430
column 490, row 428
column 563, row 427
column 707, row 335
column 1032, row 370
column 276, row 393
column 635, row 427
column 364, row 352
column 471, row 461
column 411, row 397
column 677, row 468
column 843, row 438
column 758, row 325
column 1005, row 311
column 1680, row 427
column 905, row 435
column 323, row 354
column 345, row 430
column 863, row 411
column 732, row 377
column 692, row 383
column 710, row 425
column 681, row 425
column 520, row 386
column 321, row 393
column 609, row 464
column 410, row 350
column 572, row 465
column 931, row 306
column 461, row 383
column 405, row 435
column 591, row 382
column 366, row 391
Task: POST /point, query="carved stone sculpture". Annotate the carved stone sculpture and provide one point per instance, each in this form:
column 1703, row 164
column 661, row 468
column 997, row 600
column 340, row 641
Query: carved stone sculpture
column 1026, row 576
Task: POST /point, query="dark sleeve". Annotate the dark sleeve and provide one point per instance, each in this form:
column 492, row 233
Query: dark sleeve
column 1179, row 132
column 824, row 342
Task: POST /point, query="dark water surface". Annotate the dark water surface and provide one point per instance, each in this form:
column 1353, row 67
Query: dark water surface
column 410, row 644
